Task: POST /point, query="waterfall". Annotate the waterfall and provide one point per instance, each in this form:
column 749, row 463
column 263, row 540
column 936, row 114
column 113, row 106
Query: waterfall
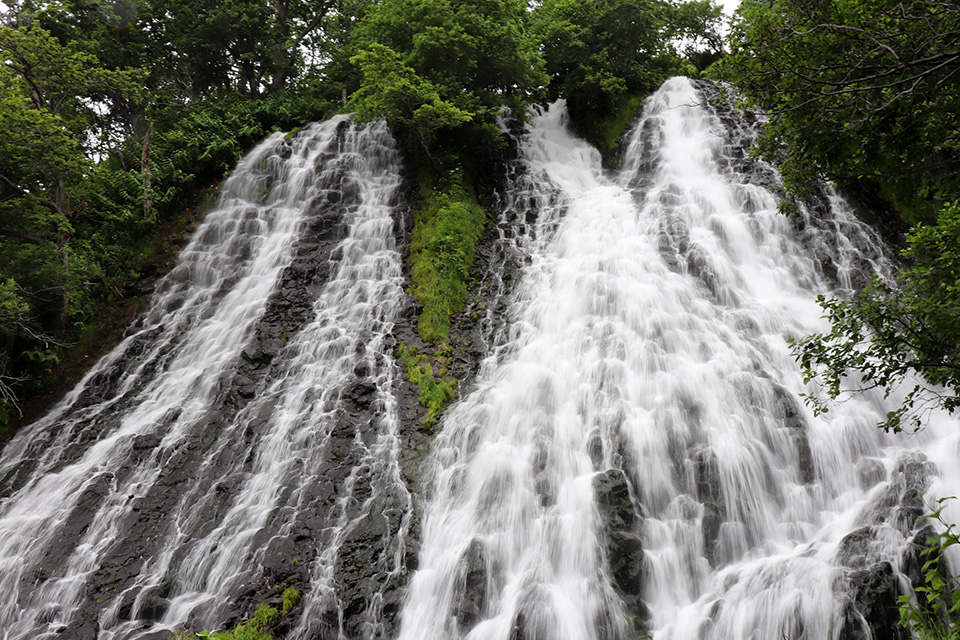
column 634, row 457
column 224, row 427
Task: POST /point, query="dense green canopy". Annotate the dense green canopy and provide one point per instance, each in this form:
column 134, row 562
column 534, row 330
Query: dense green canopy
column 114, row 114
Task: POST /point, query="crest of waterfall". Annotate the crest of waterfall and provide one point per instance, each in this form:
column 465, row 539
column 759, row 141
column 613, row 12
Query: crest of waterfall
column 635, row 458
column 149, row 418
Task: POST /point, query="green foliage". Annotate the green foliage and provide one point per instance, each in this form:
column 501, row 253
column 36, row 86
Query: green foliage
column 252, row 629
column 49, row 126
column 256, row 627
column 446, row 229
column 935, row 615
column 192, row 48
column 892, row 331
column 606, row 133
column 83, row 186
column 63, row 80
column 291, row 597
column 445, row 64
column 409, row 103
column 865, row 92
column 204, row 140
column 436, row 391
column 600, row 53
column 72, row 217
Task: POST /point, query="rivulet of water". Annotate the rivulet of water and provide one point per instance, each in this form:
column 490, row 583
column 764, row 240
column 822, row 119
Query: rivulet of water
column 74, row 484
column 635, row 457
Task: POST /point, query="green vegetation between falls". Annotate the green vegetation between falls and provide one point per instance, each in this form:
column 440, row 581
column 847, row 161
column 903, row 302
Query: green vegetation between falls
column 257, row 627
column 437, row 388
column 447, row 226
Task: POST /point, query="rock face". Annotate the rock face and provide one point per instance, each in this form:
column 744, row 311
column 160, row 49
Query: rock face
column 621, row 529
column 872, row 610
column 365, row 593
column 472, row 587
column 285, row 560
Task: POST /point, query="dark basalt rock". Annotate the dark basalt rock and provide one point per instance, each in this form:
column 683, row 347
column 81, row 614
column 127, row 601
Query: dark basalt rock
column 788, row 412
column 870, row 472
column 710, row 494
column 472, row 587
column 620, row 525
column 873, row 610
column 873, row 613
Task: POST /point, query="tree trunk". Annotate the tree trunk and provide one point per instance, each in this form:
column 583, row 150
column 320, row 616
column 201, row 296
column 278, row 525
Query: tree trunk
column 145, row 171
column 63, row 244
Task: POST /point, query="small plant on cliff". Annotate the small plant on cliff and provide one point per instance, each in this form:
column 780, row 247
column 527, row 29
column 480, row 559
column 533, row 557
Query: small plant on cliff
column 935, row 614
column 446, row 229
column 253, row 629
column 435, row 392
column 290, row 599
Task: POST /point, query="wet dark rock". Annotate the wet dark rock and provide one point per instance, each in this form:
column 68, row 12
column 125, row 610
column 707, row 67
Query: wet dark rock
column 710, row 494
column 252, row 354
column 361, row 394
column 357, row 571
column 85, row 632
column 472, row 587
column 912, row 560
column 870, row 472
column 152, row 607
column 857, row 549
column 532, row 622
column 246, row 387
column 873, row 612
column 788, row 412
column 595, row 450
column 620, row 525
column 910, row 478
column 155, row 635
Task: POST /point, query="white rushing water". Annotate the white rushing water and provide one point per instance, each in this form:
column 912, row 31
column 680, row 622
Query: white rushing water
column 164, row 381
column 646, row 396
column 633, row 456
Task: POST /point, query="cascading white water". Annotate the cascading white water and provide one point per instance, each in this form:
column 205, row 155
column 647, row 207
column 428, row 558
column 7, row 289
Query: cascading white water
column 634, row 447
column 164, row 381
column 646, row 398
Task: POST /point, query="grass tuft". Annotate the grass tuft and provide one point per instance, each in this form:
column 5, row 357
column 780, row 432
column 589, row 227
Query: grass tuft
column 446, row 229
column 436, row 388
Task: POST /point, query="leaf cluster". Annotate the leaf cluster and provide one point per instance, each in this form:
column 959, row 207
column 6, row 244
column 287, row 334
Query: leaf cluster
column 73, row 186
column 864, row 92
column 437, row 389
column 435, row 67
column 597, row 52
column 900, row 334
column 447, row 226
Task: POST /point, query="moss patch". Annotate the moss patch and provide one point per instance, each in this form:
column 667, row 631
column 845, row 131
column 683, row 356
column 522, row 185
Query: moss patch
column 253, row 629
column 447, row 226
column 290, row 598
column 430, row 375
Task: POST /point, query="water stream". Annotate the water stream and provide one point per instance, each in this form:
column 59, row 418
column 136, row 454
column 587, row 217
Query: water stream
column 635, row 457
column 146, row 452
